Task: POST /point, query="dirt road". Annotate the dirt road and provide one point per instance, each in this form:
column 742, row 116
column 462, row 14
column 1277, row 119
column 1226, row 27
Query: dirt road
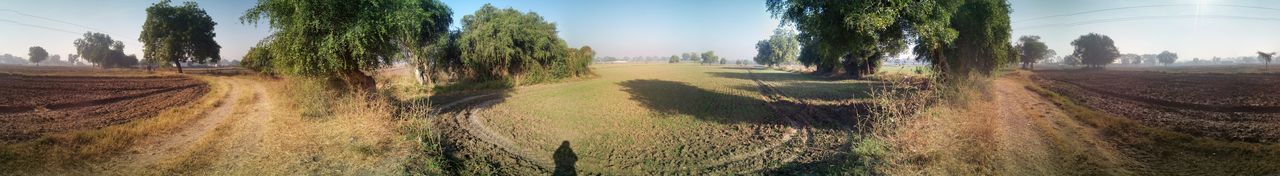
column 226, row 136
column 1033, row 136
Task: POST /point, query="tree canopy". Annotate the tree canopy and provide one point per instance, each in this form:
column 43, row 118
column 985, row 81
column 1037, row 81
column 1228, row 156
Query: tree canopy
column 674, row 59
column 1032, row 50
column 957, row 37
column 100, row 49
column 1095, row 50
column 37, row 54
column 710, row 57
column 343, row 38
column 780, row 48
column 505, row 43
column 1167, row 57
column 178, row 34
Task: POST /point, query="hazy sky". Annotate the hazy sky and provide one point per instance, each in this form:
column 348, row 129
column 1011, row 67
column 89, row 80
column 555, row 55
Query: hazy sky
column 730, row 27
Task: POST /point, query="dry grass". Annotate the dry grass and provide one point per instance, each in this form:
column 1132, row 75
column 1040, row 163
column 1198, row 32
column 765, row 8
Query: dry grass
column 972, row 132
column 73, row 151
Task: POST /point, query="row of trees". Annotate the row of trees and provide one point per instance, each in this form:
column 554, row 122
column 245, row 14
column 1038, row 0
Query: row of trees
column 101, row 50
column 1092, row 50
column 344, row 40
column 957, row 37
column 170, row 34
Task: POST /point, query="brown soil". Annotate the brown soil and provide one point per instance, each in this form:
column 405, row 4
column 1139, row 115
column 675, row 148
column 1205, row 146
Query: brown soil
column 34, row 105
column 1237, row 107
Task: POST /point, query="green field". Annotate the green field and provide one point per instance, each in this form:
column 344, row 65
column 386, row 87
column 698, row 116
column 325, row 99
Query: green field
column 662, row 118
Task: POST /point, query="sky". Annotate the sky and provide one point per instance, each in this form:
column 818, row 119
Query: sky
column 730, row 27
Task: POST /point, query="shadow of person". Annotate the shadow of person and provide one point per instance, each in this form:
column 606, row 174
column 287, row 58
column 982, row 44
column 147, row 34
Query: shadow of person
column 565, row 160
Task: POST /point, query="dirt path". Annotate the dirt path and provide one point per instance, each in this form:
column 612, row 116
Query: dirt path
column 238, row 124
column 1033, row 136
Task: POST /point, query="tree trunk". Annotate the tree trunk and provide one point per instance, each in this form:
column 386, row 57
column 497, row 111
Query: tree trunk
column 179, row 64
column 357, row 80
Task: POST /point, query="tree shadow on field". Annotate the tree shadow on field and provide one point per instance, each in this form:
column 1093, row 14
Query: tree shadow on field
column 671, row 98
column 566, row 160
column 772, row 76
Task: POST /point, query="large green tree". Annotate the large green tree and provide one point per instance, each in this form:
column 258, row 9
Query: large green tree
column 342, row 38
column 100, row 49
column 1095, row 50
column 37, row 54
column 781, row 48
column 177, row 34
column 957, row 37
column 506, row 43
column 674, row 59
column 1031, row 50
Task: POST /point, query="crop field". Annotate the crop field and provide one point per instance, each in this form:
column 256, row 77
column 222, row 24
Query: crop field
column 33, row 105
column 657, row 119
column 1234, row 107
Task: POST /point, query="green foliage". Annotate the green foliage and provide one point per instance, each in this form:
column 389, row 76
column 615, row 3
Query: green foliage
column 781, row 48
column 1167, row 57
column 178, row 34
column 259, row 58
column 505, row 43
column 674, row 59
column 710, row 57
column 957, row 37
column 1032, row 50
column 100, row 49
column 37, row 54
column 1095, row 50
column 344, row 38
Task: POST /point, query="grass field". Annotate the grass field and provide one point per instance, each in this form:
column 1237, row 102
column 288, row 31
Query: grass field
column 662, row 118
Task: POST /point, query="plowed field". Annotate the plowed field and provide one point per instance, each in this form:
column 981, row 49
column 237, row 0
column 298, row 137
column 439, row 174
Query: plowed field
column 34, row 105
column 1237, row 107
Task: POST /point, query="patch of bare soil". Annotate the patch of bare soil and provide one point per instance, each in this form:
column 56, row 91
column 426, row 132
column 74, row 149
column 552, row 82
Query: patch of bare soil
column 1236, row 107
column 34, row 105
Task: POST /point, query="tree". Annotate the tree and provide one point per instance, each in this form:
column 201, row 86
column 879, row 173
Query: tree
column 1095, row 50
column 674, row 59
column 1266, row 57
column 722, row 61
column 957, row 37
column 101, row 50
column 1032, row 51
column 341, row 38
column 1167, row 57
column 73, row 58
column 1071, row 60
column 695, row 57
column 709, row 57
column 259, row 58
column 37, row 54
column 685, row 56
column 506, row 43
column 178, row 34
column 56, row 58
column 781, row 48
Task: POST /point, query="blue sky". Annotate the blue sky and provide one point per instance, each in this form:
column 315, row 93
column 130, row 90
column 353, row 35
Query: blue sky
column 665, row 27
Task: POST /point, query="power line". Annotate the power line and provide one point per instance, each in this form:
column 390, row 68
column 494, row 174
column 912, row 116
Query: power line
column 51, row 19
column 38, row 26
column 1139, row 7
column 1153, row 18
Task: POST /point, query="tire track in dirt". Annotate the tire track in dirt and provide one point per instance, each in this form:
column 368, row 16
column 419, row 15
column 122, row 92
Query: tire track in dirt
column 474, row 126
column 244, row 123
